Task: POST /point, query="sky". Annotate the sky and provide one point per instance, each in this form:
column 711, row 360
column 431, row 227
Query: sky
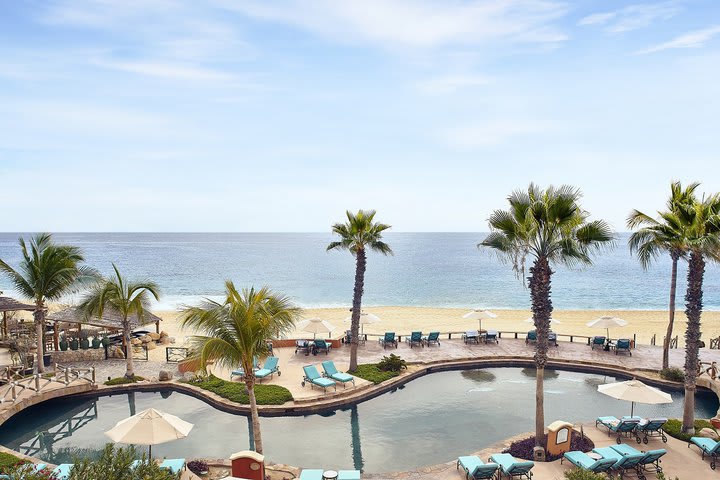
column 234, row 115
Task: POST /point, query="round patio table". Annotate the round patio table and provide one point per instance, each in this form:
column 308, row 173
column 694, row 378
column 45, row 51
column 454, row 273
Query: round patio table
column 330, row 475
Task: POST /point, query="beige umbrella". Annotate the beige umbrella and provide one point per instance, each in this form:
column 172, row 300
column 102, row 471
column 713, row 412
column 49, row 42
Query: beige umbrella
column 315, row 326
column 479, row 315
column 149, row 427
column 607, row 322
column 635, row 391
column 532, row 320
column 365, row 319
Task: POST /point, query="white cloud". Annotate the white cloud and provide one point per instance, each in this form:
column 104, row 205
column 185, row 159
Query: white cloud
column 491, row 133
column 166, row 70
column 451, row 83
column 632, row 17
column 694, row 39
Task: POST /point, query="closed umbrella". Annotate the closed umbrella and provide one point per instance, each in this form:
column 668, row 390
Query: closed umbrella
column 149, row 427
column 479, row 315
column 315, row 326
column 607, row 322
column 365, row 319
column 635, row 391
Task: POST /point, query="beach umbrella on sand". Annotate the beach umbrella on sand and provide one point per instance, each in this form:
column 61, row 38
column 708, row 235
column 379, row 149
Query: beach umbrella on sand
column 149, row 427
column 532, row 320
column 635, row 391
column 607, row 322
column 365, row 319
column 479, row 315
column 315, row 326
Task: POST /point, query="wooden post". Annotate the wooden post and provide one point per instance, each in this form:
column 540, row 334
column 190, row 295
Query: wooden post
column 5, row 332
column 157, row 327
column 56, row 335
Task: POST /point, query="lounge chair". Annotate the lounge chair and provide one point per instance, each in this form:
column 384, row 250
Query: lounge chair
column 531, row 337
column 512, row 468
column 623, row 463
column 597, row 341
column 652, row 427
column 552, row 339
column 389, row 339
column 623, row 427
column 348, row 474
column 471, row 336
column 302, row 346
column 175, row 465
column 433, row 337
column 269, row 369
column 475, row 468
column 313, row 376
column 62, row 471
column 708, row 448
column 491, row 336
column 322, row 346
column 651, row 459
column 332, row 373
column 240, row 372
column 311, row 474
column 415, row 338
column 586, row 462
column 348, row 338
column 623, row 345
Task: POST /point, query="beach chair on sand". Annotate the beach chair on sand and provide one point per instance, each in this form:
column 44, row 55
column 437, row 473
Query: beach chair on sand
column 623, row 345
column 597, row 341
column 622, row 427
column 175, row 465
column 415, row 338
column 651, row 427
column 269, row 369
column 389, row 339
column 322, row 346
column 332, row 373
column 584, row 461
column 475, row 468
column 314, row 378
column 708, row 448
column 511, row 467
column 531, row 337
column 471, row 336
column 623, row 463
column 491, row 336
column 650, row 461
column 433, row 337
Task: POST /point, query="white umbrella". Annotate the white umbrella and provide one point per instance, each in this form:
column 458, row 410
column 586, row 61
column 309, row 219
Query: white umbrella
column 635, row 391
column 479, row 315
column 607, row 322
column 315, row 326
column 149, row 427
column 365, row 319
column 532, row 320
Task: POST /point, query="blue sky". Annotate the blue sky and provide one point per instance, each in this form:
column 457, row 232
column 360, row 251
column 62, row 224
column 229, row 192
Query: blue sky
column 231, row 115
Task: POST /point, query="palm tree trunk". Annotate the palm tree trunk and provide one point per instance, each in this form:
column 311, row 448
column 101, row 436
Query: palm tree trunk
column 130, row 370
column 250, row 383
column 39, row 317
column 673, row 287
column 360, row 266
column 693, row 310
column 540, row 278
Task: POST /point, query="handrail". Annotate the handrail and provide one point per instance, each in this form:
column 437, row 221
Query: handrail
column 38, row 382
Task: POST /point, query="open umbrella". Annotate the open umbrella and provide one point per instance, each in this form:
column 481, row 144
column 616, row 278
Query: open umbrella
column 149, row 427
column 635, row 391
column 479, row 315
column 315, row 326
column 532, row 320
column 607, row 322
column 365, row 319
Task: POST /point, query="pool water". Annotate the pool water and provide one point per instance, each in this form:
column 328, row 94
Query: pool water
column 430, row 420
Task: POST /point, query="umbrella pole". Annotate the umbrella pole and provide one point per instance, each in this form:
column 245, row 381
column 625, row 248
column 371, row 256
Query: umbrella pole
column 632, row 409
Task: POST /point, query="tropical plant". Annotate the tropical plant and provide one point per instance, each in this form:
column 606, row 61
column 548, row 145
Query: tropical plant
column 703, row 244
column 237, row 330
column 550, row 227
column 127, row 298
column 46, row 273
column 393, row 363
column 667, row 234
column 359, row 233
column 116, row 464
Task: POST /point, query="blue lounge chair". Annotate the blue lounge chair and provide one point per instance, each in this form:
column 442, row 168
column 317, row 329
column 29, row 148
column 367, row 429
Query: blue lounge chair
column 331, row 372
column 311, row 474
column 241, row 373
column 531, row 337
column 475, row 468
column 597, row 341
column 708, row 448
column 269, row 369
column 62, row 471
column 623, row 463
column 314, row 377
column 415, row 338
column 175, row 465
column 322, row 346
column 651, row 459
column 471, row 336
column 623, row 345
column 512, row 468
column 623, row 427
column 389, row 339
column 652, row 427
column 586, row 462
column 491, row 336
column 433, row 337
column 348, row 474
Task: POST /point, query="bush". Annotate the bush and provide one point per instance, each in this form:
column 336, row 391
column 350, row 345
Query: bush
column 673, row 374
column 115, row 464
column 371, row 373
column 673, row 427
column 7, row 461
column 124, row 380
column 197, row 467
column 237, row 392
column 580, row 474
column 524, row 448
column 393, row 363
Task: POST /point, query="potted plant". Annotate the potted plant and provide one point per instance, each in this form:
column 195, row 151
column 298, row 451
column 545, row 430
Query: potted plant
column 74, row 344
column 105, row 341
column 64, row 343
column 84, row 342
column 96, row 342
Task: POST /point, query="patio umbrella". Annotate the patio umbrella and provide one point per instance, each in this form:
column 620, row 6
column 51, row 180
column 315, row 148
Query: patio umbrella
column 315, row 326
column 365, row 319
column 635, row 391
column 479, row 315
column 149, row 427
column 532, row 320
column 607, row 322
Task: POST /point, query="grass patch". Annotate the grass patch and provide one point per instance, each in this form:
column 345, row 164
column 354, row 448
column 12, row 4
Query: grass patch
column 124, row 380
column 371, row 373
column 236, row 392
column 8, row 461
column 673, row 427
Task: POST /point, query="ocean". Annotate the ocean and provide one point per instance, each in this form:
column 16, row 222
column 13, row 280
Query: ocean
column 427, row 269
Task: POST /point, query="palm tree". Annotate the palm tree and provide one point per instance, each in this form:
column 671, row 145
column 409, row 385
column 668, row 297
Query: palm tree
column 356, row 235
column 550, row 227
column 129, row 299
column 703, row 243
column 46, row 273
column 666, row 234
column 237, row 330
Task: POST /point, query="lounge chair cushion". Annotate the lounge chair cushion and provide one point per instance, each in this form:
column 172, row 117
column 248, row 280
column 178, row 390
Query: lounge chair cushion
column 348, row 474
column 470, row 463
column 173, row 464
column 62, row 471
column 707, row 444
column 624, row 449
column 586, row 462
column 311, row 474
column 332, row 372
column 509, row 465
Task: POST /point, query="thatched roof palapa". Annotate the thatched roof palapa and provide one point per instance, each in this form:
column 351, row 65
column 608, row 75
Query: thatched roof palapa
column 110, row 319
column 8, row 304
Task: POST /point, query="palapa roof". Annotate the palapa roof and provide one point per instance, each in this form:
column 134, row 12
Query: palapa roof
column 8, row 304
column 110, row 319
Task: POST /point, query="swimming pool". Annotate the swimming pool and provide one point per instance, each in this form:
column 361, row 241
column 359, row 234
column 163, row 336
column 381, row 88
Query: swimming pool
column 430, row 420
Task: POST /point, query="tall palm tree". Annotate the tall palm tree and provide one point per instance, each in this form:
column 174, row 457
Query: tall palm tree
column 46, row 273
column 359, row 233
column 237, row 330
column 703, row 243
column 666, row 234
column 128, row 298
column 550, row 227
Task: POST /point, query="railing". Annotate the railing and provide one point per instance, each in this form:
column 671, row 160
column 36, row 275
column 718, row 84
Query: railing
column 711, row 369
column 38, row 382
column 176, row 354
column 141, row 354
column 715, row 343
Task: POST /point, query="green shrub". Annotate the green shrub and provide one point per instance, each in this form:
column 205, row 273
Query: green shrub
column 673, row 374
column 673, row 427
column 115, row 464
column 237, row 392
column 124, row 380
column 579, row 474
column 371, row 373
column 7, row 460
column 393, row 363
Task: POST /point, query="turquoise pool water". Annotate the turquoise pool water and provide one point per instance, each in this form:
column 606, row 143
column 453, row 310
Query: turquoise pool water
column 430, row 420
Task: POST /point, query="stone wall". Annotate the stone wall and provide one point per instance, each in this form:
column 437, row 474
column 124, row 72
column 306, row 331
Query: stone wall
column 70, row 356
